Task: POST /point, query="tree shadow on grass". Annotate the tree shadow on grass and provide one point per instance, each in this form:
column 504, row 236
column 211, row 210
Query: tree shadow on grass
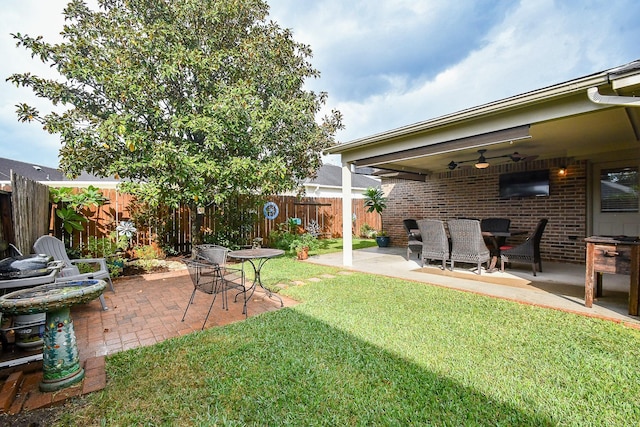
column 288, row 368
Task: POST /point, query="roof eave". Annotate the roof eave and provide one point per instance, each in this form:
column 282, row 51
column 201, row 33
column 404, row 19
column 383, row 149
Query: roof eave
column 518, row 101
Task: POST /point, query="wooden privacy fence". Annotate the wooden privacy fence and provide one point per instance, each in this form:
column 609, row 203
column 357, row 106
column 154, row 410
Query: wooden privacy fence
column 30, row 210
column 246, row 216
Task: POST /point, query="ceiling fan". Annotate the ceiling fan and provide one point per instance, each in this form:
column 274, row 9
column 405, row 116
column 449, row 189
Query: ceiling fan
column 482, row 161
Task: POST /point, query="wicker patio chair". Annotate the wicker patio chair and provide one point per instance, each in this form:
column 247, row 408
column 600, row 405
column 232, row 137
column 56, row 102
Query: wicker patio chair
column 414, row 238
column 435, row 244
column 467, row 243
column 54, row 247
column 526, row 252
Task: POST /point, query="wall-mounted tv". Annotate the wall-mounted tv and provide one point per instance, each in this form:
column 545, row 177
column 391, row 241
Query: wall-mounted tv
column 524, row 184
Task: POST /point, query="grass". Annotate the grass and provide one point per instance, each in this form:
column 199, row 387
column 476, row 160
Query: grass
column 368, row 350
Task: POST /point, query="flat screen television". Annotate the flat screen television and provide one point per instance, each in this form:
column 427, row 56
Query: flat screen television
column 524, row 184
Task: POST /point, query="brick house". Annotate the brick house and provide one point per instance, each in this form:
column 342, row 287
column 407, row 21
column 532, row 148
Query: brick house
column 584, row 134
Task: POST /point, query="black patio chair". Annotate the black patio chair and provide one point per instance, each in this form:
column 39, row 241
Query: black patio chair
column 414, row 237
column 232, row 278
column 467, row 243
column 213, row 279
column 526, row 252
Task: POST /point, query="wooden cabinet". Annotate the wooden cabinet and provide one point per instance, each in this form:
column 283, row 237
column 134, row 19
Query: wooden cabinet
column 613, row 255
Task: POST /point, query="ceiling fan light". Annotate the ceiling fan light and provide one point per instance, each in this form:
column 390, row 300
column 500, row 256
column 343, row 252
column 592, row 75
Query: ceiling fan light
column 482, row 161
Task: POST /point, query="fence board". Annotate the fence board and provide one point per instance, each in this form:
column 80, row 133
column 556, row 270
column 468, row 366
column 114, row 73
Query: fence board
column 30, row 211
column 327, row 212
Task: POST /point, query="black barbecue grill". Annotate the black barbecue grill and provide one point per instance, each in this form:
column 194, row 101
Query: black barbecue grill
column 21, row 267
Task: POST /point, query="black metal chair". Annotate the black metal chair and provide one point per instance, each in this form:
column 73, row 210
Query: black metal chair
column 232, row 278
column 467, row 243
column 210, row 275
column 414, row 237
column 526, row 252
column 435, row 244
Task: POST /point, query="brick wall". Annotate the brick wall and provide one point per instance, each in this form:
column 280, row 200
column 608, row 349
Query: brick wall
column 474, row 193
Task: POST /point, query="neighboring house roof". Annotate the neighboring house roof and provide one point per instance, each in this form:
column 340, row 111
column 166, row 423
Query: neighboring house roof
column 50, row 176
column 329, row 177
column 581, row 118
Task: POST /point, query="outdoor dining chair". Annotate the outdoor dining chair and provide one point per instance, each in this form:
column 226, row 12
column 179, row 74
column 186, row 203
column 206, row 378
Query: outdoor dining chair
column 231, row 278
column 54, row 247
column 435, row 244
column 205, row 279
column 414, row 237
column 526, row 252
column 467, row 243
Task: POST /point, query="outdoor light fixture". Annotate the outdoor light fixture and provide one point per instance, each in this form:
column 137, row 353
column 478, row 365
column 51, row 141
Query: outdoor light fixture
column 562, row 171
column 482, row 162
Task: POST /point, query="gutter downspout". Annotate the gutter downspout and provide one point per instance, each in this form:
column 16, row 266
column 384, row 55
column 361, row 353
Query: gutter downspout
column 624, row 101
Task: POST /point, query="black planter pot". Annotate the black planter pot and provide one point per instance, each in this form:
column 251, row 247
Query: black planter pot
column 383, row 241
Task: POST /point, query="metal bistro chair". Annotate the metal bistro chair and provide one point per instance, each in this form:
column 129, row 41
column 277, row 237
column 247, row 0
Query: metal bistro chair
column 435, row 244
column 526, row 252
column 205, row 279
column 414, row 237
column 54, row 247
column 232, row 278
column 467, row 243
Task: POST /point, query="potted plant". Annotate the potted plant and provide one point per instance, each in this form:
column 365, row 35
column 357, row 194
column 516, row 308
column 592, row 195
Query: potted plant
column 302, row 244
column 375, row 201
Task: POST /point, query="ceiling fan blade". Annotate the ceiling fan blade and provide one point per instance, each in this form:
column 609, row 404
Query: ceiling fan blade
column 529, row 158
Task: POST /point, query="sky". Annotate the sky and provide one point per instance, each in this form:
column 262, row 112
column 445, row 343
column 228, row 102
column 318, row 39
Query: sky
column 384, row 63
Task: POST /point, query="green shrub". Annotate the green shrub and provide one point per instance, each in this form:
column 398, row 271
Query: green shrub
column 148, row 252
column 367, row 231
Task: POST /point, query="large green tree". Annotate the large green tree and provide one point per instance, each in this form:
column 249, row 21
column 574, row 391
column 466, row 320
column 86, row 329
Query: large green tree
column 199, row 100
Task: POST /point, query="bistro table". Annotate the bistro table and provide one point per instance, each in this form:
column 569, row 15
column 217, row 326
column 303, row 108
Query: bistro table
column 257, row 257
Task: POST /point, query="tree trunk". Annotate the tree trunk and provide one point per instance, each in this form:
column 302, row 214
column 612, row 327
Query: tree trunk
column 196, row 227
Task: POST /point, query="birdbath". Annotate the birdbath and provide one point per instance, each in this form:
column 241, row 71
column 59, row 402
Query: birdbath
column 60, row 362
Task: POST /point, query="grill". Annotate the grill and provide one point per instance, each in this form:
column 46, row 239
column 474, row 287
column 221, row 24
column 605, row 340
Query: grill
column 21, row 267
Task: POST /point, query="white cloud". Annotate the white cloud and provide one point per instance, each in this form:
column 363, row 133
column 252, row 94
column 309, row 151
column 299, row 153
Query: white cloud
column 389, row 63
column 537, row 44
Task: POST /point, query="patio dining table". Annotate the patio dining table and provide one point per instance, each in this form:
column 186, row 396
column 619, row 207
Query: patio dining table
column 257, row 257
column 497, row 239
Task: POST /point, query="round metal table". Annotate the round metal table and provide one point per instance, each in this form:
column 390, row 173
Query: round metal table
column 257, row 257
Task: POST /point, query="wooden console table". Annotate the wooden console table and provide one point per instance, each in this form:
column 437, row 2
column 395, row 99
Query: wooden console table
column 615, row 255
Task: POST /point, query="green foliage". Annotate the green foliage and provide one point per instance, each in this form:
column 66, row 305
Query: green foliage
column 367, row 231
column 305, row 240
column 70, row 204
column 198, row 100
column 147, row 252
column 109, row 248
column 284, row 234
column 71, row 220
column 90, row 196
column 105, row 247
column 375, row 201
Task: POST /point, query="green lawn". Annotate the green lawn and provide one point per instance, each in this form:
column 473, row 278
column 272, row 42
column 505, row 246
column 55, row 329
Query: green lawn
column 368, row 350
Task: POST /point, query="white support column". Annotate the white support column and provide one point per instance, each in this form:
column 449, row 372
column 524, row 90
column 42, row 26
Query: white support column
column 347, row 238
